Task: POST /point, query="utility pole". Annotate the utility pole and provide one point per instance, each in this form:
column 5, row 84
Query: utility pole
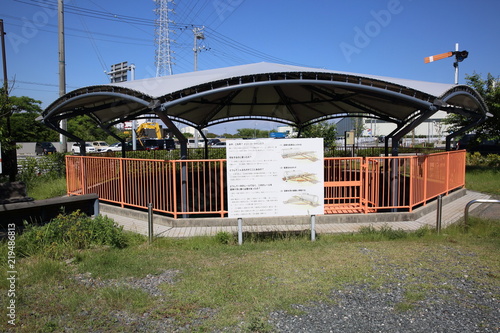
column 5, row 82
column 4, row 61
column 9, row 154
column 62, row 71
column 455, row 64
column 198, row 34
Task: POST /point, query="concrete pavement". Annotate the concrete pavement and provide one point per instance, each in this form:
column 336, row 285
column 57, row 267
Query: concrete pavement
column 452, row 212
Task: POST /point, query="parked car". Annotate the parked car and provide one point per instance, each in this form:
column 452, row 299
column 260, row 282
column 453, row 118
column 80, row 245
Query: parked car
column 89, row 148
column 221, row 144
column 117, row 146
column 100, row 146
column 44, row 148
column 193, row 144
column 214, row 141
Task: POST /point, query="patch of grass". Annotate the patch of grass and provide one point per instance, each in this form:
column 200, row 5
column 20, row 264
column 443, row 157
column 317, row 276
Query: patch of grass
column 40, row 190
column 223, row 286
column 44, row 177
column 383, row 233
column 412, row 296
column 126, row 298
column 483, row 179
column 45, row 269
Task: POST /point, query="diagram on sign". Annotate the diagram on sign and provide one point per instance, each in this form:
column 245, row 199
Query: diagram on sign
column 303, row 200
column 301, row 178
column 300, row 155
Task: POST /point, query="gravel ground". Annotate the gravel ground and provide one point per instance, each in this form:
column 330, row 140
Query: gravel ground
column 362, row 309
column 149, row 283
column 456, row 305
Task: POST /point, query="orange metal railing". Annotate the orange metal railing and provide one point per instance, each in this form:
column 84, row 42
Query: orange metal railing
column 198, row 188
column 173, row 187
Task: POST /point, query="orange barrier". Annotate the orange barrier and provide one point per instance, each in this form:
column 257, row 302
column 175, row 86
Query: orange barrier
column 173, row 187
column 198, row 188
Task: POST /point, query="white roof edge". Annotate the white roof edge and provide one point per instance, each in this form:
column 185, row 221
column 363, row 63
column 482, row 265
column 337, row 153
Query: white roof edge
column 160, row 86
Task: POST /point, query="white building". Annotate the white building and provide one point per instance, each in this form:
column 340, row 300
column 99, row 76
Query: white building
column 431, row 130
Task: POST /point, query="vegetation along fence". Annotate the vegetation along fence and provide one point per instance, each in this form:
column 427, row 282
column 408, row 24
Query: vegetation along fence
column 198, row 187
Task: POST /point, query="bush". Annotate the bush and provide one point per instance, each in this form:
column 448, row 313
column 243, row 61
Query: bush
column 48, row 167
column 66, row 233
column 476, row 159
column 224, row 237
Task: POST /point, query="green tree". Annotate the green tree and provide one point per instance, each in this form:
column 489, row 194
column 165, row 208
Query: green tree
column 324, row 129
column 358, row 127
column 5, row 114
column 22, row 113
column 251, row 133
column 489, row 89
column 86, row 129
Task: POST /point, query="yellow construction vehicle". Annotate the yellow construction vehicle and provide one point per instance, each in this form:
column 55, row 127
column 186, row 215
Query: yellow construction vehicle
column 151, row 136
column 149, row 130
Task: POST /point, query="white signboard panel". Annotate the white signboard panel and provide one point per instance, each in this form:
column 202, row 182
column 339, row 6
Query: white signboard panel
column 275, row 177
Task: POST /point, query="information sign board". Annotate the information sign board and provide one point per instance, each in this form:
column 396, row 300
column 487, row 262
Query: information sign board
column 275, row 177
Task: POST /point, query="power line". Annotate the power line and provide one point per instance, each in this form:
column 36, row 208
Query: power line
column 94, row 46
column 218, row 44
column 24, row 20
column 38, row 83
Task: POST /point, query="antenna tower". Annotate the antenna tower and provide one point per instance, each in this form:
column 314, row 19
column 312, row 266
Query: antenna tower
column 163, row 53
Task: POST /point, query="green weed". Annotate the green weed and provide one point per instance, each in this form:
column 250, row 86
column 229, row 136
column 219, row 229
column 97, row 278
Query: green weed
column 66, row 233
column 126, row 298
column 224, row 237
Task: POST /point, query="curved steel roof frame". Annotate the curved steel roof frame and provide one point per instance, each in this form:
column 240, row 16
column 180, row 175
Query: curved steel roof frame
column 298, row 96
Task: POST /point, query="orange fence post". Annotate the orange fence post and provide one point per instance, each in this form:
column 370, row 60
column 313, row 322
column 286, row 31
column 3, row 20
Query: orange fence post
column 122, row 183
column 447, row 177
column 83, row 175
column 412, row 185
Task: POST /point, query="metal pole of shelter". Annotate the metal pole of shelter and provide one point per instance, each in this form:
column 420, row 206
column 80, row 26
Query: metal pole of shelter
column 183, row 143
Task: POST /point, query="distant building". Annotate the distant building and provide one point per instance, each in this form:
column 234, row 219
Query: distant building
column 193, row 131
column 432, row 129
column 288, row 130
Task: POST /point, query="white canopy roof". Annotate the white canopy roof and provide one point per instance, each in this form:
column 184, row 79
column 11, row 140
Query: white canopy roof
column 298, row 96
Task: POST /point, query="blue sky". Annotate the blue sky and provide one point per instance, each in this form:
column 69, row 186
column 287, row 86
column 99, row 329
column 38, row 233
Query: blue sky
column 382, row 37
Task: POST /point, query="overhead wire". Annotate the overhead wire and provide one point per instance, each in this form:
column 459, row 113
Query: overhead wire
column 94, row 46
column 126, row 38
column 231, row 48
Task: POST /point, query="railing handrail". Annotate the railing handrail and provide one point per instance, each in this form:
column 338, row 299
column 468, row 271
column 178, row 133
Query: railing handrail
column 470, row 203
column 417, row 181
